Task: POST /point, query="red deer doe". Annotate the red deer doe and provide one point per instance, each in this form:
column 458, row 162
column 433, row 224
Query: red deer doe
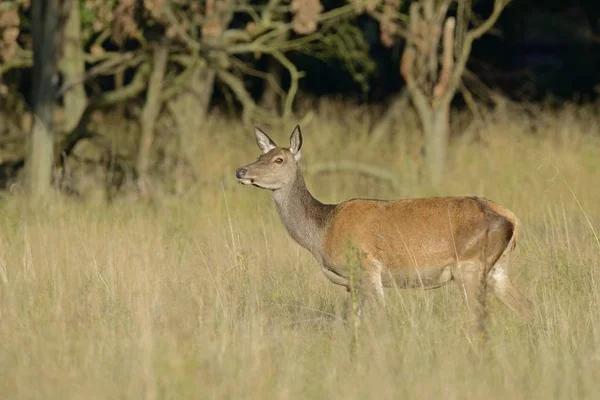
column 415, row 242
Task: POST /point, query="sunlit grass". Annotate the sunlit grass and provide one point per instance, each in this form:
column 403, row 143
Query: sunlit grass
column 206, row 296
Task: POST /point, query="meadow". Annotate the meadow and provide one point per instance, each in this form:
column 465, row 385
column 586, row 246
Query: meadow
column 206, row 296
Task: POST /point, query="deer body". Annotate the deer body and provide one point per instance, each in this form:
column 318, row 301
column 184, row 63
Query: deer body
column 394, row 237
column 408, row 243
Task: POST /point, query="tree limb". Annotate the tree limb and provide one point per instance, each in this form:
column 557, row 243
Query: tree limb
column 419, row 98
column 268, row 12
column 447, row 59
column 72, row 66
column 177, row 83
column 482, row 29
column 295, row 76
column 471, row 35
column 433, row 33
column 150, row 113
column 191, row 43
column 137, row 85
column 237, row 87
column 68, row 143
column 125, row 59
column 463, row 16
column 15, row 63
column 8, row 4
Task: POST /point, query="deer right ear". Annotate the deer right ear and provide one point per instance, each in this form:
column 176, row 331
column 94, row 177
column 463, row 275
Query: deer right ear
column 264, row 142
column 296, row 143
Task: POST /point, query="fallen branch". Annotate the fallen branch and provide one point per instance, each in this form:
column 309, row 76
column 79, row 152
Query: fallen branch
column 368, row 170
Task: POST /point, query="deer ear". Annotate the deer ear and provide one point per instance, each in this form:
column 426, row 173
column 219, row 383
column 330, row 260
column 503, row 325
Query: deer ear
column 263, row 140
column 296, row 143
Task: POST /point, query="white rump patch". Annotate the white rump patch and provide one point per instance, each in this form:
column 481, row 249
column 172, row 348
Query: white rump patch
column 499, row 276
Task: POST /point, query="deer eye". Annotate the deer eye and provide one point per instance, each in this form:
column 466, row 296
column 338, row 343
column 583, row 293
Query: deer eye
column 279, row 160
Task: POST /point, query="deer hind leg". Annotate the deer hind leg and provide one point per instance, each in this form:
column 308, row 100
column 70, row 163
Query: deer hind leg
column 470, row 277
column 508, row 294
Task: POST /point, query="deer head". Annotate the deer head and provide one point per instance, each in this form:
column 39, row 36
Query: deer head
column 276, row 167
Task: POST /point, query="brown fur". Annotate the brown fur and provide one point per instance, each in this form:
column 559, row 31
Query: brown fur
column 395, row 234
column 418, row 242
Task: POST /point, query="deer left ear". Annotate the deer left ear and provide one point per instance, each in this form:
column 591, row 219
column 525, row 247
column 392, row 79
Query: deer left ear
column 296, row 143
column 263, row 140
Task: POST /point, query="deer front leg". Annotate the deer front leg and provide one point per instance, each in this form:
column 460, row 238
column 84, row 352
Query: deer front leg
column 365, row 293
column 365, row 297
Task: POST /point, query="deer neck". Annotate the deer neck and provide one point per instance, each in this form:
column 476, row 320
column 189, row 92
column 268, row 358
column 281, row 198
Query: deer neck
column 305, row 217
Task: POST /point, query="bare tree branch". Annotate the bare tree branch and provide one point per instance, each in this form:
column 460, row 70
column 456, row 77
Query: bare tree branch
column 407, row 67
column 128, row 59
column 150, row 114
column 72, row 65
column 471, row 36
column 482, row 29
column 15, row 63
column 447, row 60
column 238, row 88
column 175, row 86
column 295, row 76
column 137, row 85
column 463, row 16
column 191, row 43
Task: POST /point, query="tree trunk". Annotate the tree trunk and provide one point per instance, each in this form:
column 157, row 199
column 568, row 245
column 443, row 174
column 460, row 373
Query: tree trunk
column 73, row 68
column 270, row 99
column 46, row 40
column 150, row 114
column 436, row 129
column 191, row 104
column 384, row 125
column 189, row 109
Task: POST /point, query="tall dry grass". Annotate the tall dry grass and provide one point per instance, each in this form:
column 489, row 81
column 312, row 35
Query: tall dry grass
column 208, row 297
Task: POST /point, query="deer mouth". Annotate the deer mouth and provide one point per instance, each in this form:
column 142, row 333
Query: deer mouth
column 246, row 181
column 250, row 182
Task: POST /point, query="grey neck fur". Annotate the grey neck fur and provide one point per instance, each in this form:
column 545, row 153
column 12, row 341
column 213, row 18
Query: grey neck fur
column 305, row 217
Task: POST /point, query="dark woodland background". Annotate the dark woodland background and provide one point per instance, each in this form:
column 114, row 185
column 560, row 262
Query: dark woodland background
column 89, row 61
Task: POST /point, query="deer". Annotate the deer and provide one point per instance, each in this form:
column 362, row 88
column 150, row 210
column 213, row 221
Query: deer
column 405, row 243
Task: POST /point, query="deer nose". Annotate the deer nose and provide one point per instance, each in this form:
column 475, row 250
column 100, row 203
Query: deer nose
column 240, row 172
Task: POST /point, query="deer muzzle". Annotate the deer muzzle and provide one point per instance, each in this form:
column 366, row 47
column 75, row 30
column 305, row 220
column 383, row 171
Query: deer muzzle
column 240, row 174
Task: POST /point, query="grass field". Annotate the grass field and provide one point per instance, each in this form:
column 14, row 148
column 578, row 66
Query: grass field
column 207, row 297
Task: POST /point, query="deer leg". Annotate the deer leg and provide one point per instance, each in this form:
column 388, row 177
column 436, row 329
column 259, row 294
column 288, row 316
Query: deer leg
column 373, row 284
column 508, row 294
column 365, row 295
column 365, row 298
column 471, row 279
column 365, row 287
